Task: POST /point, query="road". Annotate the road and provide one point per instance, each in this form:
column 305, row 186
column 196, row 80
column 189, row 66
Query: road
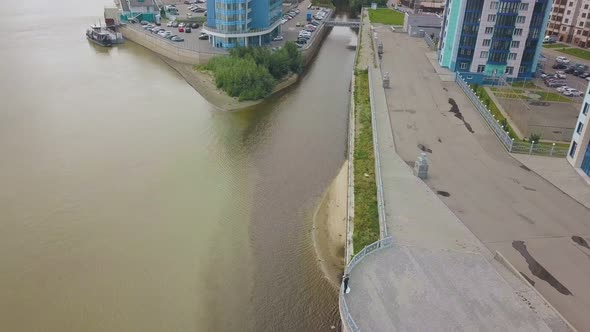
column 509, row 208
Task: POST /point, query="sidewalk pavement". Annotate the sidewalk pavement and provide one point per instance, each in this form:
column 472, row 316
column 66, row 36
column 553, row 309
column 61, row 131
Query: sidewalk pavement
column 437, row 275
column 561, row 174
column 511, row 209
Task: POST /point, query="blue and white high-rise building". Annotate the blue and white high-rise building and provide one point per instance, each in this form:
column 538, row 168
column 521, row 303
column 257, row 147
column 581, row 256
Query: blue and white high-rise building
column 493, row 38
column 579, row 152
column 232, row 23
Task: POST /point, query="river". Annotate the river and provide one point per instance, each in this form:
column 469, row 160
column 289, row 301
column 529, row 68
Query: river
column 128, row 204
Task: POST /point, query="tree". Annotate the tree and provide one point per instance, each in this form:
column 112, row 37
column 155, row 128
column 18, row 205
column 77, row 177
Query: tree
column 535, row 138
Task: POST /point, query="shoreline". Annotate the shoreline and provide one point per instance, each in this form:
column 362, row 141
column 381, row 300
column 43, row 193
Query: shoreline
column 329, row 227
column 204, row 84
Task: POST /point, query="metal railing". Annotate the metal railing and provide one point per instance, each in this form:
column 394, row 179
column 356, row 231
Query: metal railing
column 378, row 179
column 371, row 248
column 429, row 42
column 531, row 148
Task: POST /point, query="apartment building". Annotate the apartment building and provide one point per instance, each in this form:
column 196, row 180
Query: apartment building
column 569, row 22
column 579, row 153
column 232, row 23
column 490, row 38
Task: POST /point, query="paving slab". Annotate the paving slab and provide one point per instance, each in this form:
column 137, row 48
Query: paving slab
column 499, row 199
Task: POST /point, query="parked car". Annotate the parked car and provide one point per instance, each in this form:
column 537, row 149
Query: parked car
column 572, row 93
column 177, row 39
column 302, row 41
column 299, row 24
column 188, row 30
column 278, row 38
column 316, row 23
column 562, row 59
column 560, row 74
column 133, row 20
column 203, row 36
column 170, row 36
column 555, row 84
column 569, row 70
column 195, row 25
column 175, row 24
column 562, row 88
column 559, row 66
column 584, row 74
column 180, row 29
column 169, row 24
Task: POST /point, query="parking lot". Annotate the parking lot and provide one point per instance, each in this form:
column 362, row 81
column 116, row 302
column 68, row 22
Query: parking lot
column 289, row 29
column 572, row 81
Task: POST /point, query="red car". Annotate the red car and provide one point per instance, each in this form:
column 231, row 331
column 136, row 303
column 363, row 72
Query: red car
column 180, row 29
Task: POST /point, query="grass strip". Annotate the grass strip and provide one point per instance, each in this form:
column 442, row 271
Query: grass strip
column 366, row 215
column 386, row 16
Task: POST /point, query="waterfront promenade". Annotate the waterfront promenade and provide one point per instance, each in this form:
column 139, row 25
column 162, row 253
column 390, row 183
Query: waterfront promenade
column 437, row 275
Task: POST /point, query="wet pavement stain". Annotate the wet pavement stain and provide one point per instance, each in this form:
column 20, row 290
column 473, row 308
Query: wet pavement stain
column 525, row 218
column 529, row 188
column 424, row 148
column 455, row 110
column 538, row 270
column 531, row 281
column 443, row 193
column 580, row 241
column 525, row 168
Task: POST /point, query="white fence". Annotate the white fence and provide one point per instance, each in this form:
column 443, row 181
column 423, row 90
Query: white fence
column 509, row 143
column 371, row 248
column 429, row 42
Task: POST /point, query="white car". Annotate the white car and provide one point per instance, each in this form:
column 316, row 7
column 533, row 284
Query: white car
column 572, row 93
column 560, row 74
column 563, row 88
column 169, row 24
column 562, row 59
column 278, row 38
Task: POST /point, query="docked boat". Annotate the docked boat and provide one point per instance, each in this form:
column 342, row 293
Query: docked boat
column 99, row 36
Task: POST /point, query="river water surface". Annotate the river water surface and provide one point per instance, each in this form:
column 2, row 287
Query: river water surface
column 128, row 204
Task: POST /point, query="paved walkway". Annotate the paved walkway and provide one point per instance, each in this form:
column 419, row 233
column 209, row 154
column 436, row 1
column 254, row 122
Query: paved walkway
column 438, row 276
column 537, row 227
column 561, row 174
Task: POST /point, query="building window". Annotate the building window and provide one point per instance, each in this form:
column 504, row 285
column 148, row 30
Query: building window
column 563, row 29
column 580, row 126
column 581, row 24
column 483, row 54
column 489, row 30
column 524, row 6
column 520, row 19
column 586, row 6
column 522, row 69
column 481, row 68
column 578, row 32
column 566, row 20
column 585, row 33
column 509, row 70
column 518, row 32
column 494, row 5
column 486, row 42
column 514, row 44
column 463, row 65
column 568, row 12
column 491, row 18
column 573, row 149
column 585, row 110
column 511, row 56
column 583, row 15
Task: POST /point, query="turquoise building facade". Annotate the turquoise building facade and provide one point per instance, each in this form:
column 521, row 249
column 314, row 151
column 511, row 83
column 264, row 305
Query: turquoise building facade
column 491, row 39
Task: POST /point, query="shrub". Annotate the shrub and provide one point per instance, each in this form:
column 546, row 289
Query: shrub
column 535, row 138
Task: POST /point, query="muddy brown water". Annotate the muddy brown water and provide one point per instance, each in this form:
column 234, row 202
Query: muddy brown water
column 128, row 204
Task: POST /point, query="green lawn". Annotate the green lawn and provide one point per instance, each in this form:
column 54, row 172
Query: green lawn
column 557, row 45
column 552, row 96
column 386, row 16
column 577, row 52
column 366, row 215
column 322, row 3
column 525, row 85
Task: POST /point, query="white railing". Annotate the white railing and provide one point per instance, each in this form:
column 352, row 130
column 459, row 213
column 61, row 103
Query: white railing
column 378, row 178
column 371, row 248
column 429, row 42
column 503, row 136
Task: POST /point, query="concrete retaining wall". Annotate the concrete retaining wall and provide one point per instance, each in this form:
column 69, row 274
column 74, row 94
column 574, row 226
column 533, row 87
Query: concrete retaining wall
column 166, row 48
